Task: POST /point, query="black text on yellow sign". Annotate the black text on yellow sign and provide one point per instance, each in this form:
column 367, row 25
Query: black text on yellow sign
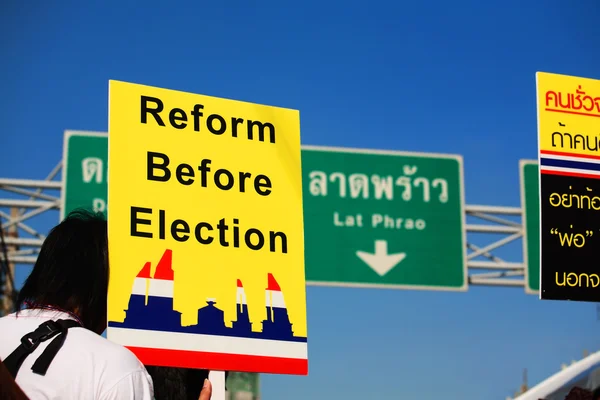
column 568, row 109
column 216, row 181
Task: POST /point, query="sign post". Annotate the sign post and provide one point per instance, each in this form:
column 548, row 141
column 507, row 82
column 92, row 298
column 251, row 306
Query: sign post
column 384, row 219
column 568, row 111
column 530, row 204
column 206, row 229
column 85, row 158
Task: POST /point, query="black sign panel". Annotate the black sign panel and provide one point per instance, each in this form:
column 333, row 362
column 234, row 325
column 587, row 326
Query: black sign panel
column 570, row 236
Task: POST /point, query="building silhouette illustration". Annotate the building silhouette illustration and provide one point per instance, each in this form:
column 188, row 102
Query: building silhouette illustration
column 151, row 308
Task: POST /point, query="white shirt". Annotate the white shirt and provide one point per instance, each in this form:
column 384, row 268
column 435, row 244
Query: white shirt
column 87, row 367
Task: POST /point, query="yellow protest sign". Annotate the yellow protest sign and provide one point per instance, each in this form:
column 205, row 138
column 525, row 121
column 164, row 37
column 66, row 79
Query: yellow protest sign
column 569, row 158
column 568, row 108
column 205, row 231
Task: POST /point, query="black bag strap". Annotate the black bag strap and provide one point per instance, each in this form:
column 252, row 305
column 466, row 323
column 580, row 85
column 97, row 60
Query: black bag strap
column 31, row 341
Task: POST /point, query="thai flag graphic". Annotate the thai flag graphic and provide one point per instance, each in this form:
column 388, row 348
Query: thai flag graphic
column 159, row 286
column 567, row 164
column 241, row 295
column 151, row 295
column 277, row 322
column 152, row 329
column 141, row 283
column 242, row 322
column 274, row 297
column 162, row 284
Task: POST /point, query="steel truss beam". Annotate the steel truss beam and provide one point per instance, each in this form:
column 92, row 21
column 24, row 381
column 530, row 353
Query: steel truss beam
column 21, row 200
column 502, row 273
column 485, row 268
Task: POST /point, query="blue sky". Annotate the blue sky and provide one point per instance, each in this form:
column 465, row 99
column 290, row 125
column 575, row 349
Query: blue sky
column 448, row 77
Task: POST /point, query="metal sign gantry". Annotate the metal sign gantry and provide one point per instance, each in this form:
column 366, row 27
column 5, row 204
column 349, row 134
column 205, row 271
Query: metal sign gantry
column 22, row 200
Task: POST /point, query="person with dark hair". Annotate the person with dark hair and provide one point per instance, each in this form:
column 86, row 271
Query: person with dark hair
column 578, row 393
column 177, row 383
column 52, row 346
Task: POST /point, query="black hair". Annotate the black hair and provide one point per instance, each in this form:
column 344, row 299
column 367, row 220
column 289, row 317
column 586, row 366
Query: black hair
column 577, row 393
column 177, row 383
column 71, row 271
column 596, row 393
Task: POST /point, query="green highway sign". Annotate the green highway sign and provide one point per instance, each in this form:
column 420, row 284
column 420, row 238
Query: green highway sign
column 85, row 159
column 372, row 218
column 384, row 219
column 530, row 204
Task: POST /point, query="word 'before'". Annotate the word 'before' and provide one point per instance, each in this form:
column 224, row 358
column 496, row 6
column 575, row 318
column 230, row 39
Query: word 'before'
column 216, row 124
column 158, row 170
column 181, row 231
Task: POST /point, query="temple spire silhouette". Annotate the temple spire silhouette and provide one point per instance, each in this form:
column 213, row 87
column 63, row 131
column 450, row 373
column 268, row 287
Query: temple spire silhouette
column 277, row 324
column 153, row 296
column 242, row 322
column 151, row 308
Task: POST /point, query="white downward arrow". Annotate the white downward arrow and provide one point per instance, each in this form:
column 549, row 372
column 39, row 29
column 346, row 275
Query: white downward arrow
column 381, row 262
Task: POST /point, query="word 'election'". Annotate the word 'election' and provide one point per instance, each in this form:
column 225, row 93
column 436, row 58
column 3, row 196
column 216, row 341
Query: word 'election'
column 215, row 123
column 181, row 230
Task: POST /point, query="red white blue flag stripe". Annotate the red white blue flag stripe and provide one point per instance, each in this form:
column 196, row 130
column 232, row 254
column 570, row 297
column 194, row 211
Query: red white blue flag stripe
column 158, row 345
column 568, row 164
